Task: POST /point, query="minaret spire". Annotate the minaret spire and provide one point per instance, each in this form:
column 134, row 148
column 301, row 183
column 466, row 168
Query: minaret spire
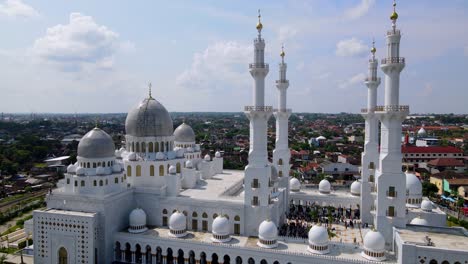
column 149, row 90
column 259, row 25
column 281, row 153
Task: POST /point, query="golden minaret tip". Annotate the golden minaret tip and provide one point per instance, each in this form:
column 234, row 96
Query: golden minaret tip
column 259, row 24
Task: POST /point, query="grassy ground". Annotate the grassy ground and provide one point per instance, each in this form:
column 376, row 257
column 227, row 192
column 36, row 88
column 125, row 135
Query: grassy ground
column 12, row 198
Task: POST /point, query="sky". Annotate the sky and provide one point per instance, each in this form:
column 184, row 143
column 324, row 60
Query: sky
column 92, row 56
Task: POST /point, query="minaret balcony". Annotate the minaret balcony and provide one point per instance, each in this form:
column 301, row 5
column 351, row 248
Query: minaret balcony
column 258, row 108
column 372, row 79
column 258, row 66
column 282, row 81
column 393, row 32
column 285, row 110
column 393, row 60
column 257, row 40
column 392, row 108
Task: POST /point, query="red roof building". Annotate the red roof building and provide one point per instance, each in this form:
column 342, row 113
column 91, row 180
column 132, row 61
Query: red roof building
column 416, row 155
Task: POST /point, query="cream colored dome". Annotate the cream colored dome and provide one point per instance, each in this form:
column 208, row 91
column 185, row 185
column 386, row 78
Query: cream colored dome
column 96, row 144
column 324, row 186
column 149, row 119
column 355, row 188
column 184, row 133
column 137, row 221
column 294, row 185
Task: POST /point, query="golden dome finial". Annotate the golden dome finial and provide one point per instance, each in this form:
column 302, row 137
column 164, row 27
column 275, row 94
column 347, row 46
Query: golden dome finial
column 373, row 49
column 394, row 15
column 259, row 24
column 282, row 51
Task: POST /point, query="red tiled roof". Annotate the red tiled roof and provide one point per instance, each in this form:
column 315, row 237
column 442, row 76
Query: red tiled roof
column 446, row 162
column 458, row 181
column 430, row 149
column 449, row 175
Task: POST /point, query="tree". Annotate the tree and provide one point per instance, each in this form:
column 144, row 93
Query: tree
column 429, row 189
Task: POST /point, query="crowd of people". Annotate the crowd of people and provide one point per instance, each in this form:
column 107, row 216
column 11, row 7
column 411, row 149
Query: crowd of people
column 301, row 218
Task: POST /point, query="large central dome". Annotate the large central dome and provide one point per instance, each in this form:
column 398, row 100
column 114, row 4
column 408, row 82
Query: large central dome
column 149, row 119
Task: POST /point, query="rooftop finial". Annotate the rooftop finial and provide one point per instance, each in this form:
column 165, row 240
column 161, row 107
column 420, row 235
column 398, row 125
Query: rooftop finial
column 97, row 122
column 394, row 15
column 259, row 24
column 149, row 90
column 373, row 49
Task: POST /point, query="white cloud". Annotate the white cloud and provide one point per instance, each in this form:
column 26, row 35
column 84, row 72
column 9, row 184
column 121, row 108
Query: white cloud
column 286, row 33
column 352, row 81
column 80, row 44
column 221, row 62
column 16, row 8
column 361, row 9
column 351, row 47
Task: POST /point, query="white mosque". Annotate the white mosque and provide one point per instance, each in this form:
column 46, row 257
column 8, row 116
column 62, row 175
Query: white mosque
column 158, row 200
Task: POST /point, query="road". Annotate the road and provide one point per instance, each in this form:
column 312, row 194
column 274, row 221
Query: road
column 5, row 206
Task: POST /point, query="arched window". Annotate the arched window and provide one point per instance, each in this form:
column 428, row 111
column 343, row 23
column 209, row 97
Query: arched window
column 88, row 165
column 215, row 215
column 280, row 174
column 236, row 218
column 99, row 164
column 138, row 171
column 194, row 214
column 133, row 146
column 94, row 164
column 178, row 167
column 151, row 170
column 101, row 183
column 162, row 146
column 445, row 262
column 161, row 170
column 433, row 261
column 137, row 147
column 82, row 183
column 62, row 256
column 68, row 181
column 204, row 215
column 143, row 147
column 156, row 147
column 280, row 162
column 129, row 171
column 95, row 183
column 167, row 146
column 116, row 180
column 150, row 147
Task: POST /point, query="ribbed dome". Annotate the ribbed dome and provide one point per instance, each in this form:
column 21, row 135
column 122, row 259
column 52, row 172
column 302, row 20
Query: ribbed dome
column 419, row 221
column 426, row 205
column 374, row 241
column 413, row 185
column 96, row 144
column 324, row 186
column 318, row 235
column 355, row 188
column 294, row 185
column 178, row 224
column 137, row 221
column 149, row 119
column 184, row 133
column 221, row 225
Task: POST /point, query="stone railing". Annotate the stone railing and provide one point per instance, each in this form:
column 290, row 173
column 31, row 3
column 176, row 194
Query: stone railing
column 282, row 81
column 259, row 65
column 395, row 60
column 393, row 32
column 258, row 108
column 392, row 108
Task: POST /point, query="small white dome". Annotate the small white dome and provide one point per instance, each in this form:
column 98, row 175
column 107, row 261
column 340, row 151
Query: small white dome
column 137, row 221
column 218, row 154
column 374, row 241
column 184, row 133
column 80, row 171
column 356, row 188
column 221, row 225
column 426, row 205
column 189, row 164
column 71, row 168
column 268, row 230
column 413, row 186
column 178, row 224
column 180, row 153
column 172, row 170
column 100, row 171
column 118, row 153
column 422, row 132
column 318, row 235
column 132, row 156
column 321, row 138
column 324, row 186
column 122, row 150
column 294, row 185
column 116, row 167
column 171, row 155
column 160, row 156
column 207, row 157
column 419, row 221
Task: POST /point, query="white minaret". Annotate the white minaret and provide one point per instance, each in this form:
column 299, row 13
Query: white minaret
column 257, row 182
column 391, row 181
column 281, row 153
column 370, row 156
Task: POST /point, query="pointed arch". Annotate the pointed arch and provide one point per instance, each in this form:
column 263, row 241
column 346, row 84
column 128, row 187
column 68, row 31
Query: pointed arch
column 138, row 171
column 150, row 147
column 129, row 171
column 161, row 170
column 156, row 146
column 62, row 256
column 178, row 167
column 151, row 170
column 280, row 162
